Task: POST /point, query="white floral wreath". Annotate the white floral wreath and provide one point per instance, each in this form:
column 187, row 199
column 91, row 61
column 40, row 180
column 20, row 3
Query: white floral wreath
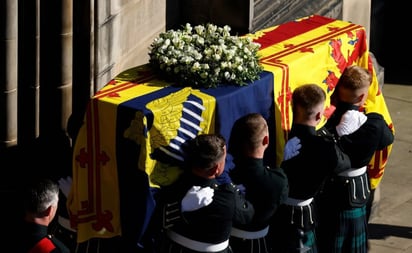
column 204, row 57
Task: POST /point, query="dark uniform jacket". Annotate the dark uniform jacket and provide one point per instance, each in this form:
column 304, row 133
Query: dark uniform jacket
column 346, row 199
column 210, row 224
column 361, row 145
column 33, row 233
column 319, row 158
column 266, row 189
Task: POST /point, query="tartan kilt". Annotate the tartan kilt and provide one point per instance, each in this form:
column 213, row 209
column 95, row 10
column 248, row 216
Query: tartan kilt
column 352, row 233
column 288, row 234
column 343, row 231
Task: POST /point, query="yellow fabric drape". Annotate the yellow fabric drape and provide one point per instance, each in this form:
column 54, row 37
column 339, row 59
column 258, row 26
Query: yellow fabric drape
column 318, row 53
column 313, row 49
column 94, row 202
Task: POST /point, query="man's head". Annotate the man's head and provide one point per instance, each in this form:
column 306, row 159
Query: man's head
column 205, row 155
column 308, row 103
column 249, row 136
column 40, row 198
column 353, row 85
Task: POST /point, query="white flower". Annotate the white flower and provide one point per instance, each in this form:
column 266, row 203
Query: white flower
column 205, row 56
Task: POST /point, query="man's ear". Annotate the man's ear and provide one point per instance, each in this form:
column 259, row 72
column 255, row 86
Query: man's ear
column 213, row 171
column 48, row 211
column 318, row 116
column 265, row 140
column 359, row 98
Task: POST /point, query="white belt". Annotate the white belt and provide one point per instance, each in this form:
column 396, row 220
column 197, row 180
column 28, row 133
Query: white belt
column 65, row 223
column 196, row 245
column 353, row 172
column 249, row 234
column 298, row 202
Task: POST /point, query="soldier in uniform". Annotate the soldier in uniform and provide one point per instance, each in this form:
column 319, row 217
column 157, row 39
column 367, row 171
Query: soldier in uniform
column 185, row 229
column 40, row 199
column 265, row 188
column 345, row 198
column 293, row 226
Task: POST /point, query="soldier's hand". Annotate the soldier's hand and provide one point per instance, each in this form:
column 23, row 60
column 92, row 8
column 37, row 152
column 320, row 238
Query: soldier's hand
column 196, row 198
column 350, row 122
column 292, row 148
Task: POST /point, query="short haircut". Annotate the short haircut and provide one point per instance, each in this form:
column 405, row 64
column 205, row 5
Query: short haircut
column 40, row 194
column 247, row 133
column 307, row 97
column 354, row 78
column 204, row 151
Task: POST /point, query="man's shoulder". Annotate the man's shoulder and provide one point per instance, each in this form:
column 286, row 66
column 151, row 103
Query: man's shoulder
column 60, row 246
column 324, row 138
column 230, row 187
column 46, row 244
column 374, row 116
column 278, row 172
column 374, row 120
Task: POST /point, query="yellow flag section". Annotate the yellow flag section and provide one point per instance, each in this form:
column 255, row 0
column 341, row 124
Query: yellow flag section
column 94, row 209
column 317, row 49
column 376, row 103
column 167, row 124
column 94, row 201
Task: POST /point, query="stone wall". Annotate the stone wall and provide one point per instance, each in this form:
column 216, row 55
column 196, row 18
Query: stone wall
column 124, row 31
column 274, row 12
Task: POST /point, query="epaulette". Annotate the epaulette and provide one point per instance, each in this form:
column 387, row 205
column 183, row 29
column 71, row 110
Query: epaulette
column 214, row 186
column 229, row 186
column 171, row 214
column 270, row 168
column 323, row 132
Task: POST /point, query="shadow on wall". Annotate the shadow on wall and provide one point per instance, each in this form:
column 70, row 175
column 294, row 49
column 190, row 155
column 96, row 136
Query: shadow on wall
column 382, row 231
column 397, row 53
column 237, row 14
column 49, row 157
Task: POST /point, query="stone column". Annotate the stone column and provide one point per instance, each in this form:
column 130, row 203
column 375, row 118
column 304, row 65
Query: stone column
column 55, row 66
column 28, row 69
column 358, row 12
column 82, row 63
column 8, row 73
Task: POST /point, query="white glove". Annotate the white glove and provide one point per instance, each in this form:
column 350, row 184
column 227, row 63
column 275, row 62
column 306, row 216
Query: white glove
column 196, row 198
column 65, row 184
column 350, row 122
column 292, row 148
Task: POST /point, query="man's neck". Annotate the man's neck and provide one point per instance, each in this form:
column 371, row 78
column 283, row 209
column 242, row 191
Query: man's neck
column 258, row 153
column 45, row 221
